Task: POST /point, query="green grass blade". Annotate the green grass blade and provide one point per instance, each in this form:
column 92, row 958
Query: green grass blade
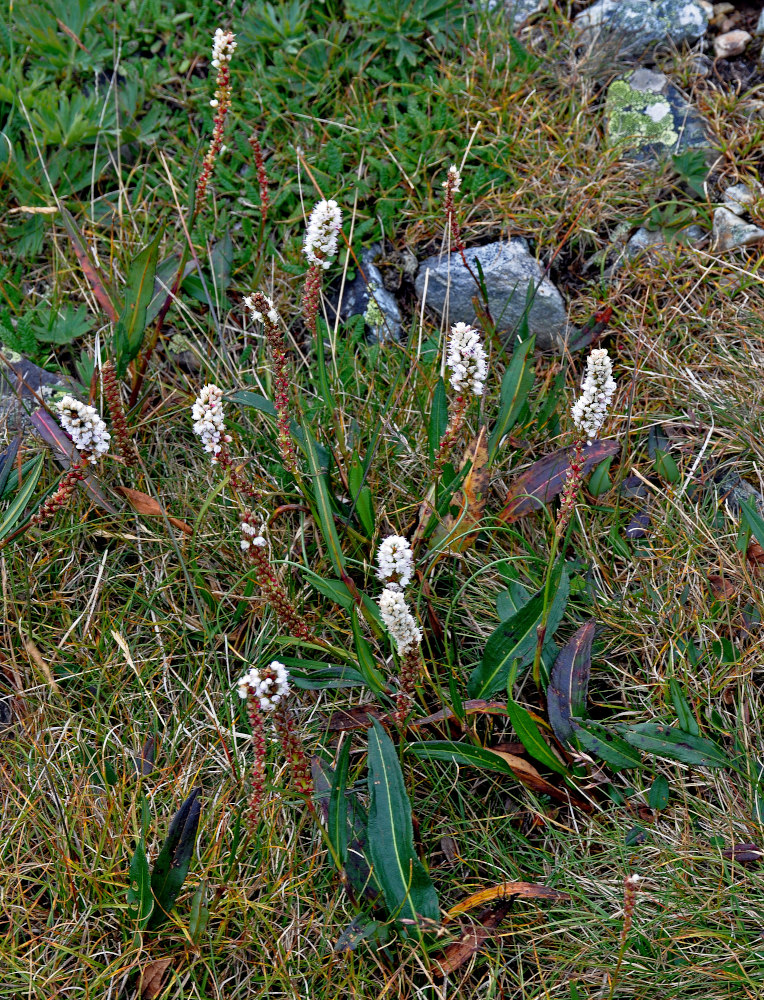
column 15, row 512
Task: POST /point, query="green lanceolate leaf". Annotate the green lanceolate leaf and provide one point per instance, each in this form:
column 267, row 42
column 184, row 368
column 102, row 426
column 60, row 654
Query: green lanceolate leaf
column 569, row 682
column 529, row 735
column 16, row 509
column 140, row 902
column 174, row 859
column 675, row 744
column 367, row 666
column 604, row 744
column 684, row 715
column 338, row 807
column 460, row 753
column 323, row 503
column 408, row 891
column 200, row 913
column 131, row 325
column 515, row 638
column 438, row 418
column 515, row 386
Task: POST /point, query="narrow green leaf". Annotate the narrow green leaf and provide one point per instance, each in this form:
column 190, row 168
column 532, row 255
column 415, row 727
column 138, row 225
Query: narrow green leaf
column 687, row 720
column 325, row 676
column 438, row 418
column 335, row 590
column 200, row 913
column 599, row 481
column 140, row 902
column 408, row 890
column 666, row 467
column 338, row 807
column 529, row 735
column 515, row 386
column 366, row 664
column 460, row 753
column 16, row 509
column 131, row 325
column 6, row 463
column 221, row 262
column 323, row 503
column 515, row 638
column 675, row 744
column 323, row 377
column 606, row 745
column 658, row 797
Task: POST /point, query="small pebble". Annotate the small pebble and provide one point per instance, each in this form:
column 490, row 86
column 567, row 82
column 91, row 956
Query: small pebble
column 731, row 44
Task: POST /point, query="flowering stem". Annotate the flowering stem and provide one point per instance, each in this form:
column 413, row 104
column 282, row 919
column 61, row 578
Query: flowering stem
column 113, row 395
column 411, row 671
column 452, row 432
column 258, row 773
column 630, row 889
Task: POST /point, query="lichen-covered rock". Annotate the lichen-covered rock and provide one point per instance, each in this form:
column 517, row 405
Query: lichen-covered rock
column 508, row 269
column 635, row 26
column 656, row 240
column 519, row 11
column 739, row 197
column 647, row 117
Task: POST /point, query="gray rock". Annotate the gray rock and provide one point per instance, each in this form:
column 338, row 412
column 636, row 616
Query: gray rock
column 508, row 268
column 633, row 27
column 22, row 384
column 519, row 11
column 382, row 315
column 731, row 43
column 739, row 197
column 731, row 231
column 655, row 239
column 647, row 118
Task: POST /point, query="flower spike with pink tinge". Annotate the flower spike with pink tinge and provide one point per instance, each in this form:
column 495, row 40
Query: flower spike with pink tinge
column 209, row 420
column 223, row 45
column 324, row 226
column 597, row 391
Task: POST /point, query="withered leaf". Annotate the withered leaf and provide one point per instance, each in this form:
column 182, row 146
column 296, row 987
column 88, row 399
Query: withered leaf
column 142, row 503
column 569, row 682
column 722, row 588
column 473, row 936
column 152, row 976
column 744, row 852
column 545, row 478
column 527, row 775
column 457, row 532
column 522, row 890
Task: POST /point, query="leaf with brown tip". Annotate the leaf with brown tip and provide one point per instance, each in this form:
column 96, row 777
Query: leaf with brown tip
column 543, row 480
column 569, row 682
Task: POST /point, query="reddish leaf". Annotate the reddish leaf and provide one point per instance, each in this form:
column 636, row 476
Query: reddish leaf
column 456, row 533
column 744, row 852
column 142, row 503
column 152, row 976
column 722, row 588
column 754, row 553
column 65, row 453
column 475, row 935
column 569, row 682
column 545, row 478
column 100, row 289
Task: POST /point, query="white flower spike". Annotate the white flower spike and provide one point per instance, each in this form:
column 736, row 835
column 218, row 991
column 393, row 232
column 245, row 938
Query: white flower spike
column 223, row 46
column 323, row 230
column 209, row 420
column 399, row 621
column 466, row 359
column 598, row 387
column 396, row 562
column 85, row 427
column 269, row 685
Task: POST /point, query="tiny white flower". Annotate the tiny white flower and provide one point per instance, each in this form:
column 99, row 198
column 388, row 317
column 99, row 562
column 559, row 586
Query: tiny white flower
column 399, row 621
column 84, row 426
column 598, row 387
column 466, row 359
column 396, row 561
column 323, row 230
column 272, row 313
column 268, row 685
column 223, row 45
column 454, row 178
column 209, row 420
column 244, row 544
column 214, row 102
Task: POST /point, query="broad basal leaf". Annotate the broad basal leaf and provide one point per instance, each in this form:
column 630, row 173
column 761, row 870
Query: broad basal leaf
column 569, row 682
column 408, row 891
